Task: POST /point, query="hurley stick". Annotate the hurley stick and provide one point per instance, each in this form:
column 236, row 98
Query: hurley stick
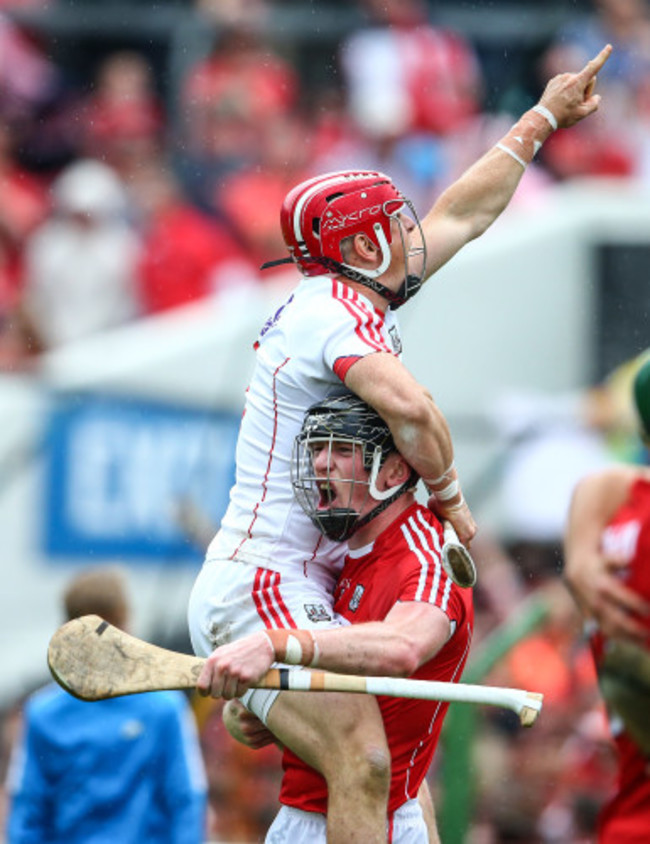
column 94, row 660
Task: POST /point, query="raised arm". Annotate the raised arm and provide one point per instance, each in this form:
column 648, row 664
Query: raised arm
column 469, row 206
column 419, row 429
column 591, row 575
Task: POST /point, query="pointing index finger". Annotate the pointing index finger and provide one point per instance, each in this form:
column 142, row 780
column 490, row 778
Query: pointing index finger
column 593, row 67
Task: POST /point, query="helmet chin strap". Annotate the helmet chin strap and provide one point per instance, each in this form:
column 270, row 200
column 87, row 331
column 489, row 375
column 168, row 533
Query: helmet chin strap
column 369, row 277
column 354, row 274
column 408, row 288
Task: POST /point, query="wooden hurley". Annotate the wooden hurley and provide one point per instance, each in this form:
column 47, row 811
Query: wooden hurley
column 93, row 660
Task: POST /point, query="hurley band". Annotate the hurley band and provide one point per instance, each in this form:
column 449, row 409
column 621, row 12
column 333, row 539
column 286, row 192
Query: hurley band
column 294, row 647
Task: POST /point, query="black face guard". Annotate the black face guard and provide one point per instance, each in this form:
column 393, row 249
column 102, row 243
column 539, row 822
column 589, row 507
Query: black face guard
column 312, row 491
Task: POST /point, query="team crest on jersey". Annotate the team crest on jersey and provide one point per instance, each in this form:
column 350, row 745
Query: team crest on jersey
column 317, row 612
column 395, row 339
column 357, row 595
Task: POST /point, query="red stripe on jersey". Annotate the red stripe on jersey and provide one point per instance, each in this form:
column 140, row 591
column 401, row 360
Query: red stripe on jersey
column 431, row 538
column 265, row 480
column 278, row 600
column 422, row 539
column 369, row 323
column 266, row 594
column 343, row 365
column 313, row 554
column 258, row 594
column 269, row 601
column 267, row 597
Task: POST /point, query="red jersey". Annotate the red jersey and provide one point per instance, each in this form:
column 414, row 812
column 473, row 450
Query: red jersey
column 403, row 564
column 183, row 251
column 626, row 818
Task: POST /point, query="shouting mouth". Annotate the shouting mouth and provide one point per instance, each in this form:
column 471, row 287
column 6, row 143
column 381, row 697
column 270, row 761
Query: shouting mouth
column 326, row 495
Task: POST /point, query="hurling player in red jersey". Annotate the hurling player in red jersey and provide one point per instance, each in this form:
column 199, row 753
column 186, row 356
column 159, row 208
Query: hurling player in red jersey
column 609, row 520
column 408, row 618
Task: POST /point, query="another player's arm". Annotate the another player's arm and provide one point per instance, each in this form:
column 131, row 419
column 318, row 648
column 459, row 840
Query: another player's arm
column 590, row 576
column 469, row 206
column 419, row 429
column 410, row 635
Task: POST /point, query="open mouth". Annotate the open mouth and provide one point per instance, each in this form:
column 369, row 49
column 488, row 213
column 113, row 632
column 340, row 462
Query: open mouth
column 326, row 495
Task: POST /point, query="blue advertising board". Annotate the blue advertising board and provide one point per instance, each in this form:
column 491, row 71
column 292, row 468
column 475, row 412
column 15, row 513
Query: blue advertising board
column 117, row 472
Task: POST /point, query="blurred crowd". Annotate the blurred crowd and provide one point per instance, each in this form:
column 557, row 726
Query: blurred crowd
column 116, row 204
column 121, row 199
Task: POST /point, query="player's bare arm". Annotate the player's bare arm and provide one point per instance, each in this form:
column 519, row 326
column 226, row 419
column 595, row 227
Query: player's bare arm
column 410, row 635
column 591, row 575
column 419, row 429
column 469, row 206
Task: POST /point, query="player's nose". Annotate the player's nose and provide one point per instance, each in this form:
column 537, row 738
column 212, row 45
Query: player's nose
column 320, row 460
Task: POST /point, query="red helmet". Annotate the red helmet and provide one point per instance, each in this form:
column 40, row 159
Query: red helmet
column 319, row 213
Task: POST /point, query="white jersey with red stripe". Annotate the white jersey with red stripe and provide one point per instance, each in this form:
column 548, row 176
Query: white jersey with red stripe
column 303, row 354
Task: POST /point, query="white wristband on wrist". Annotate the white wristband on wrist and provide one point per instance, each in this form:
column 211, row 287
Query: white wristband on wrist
column 456, row 507
column 449, row 471
column 547, row 113
column 448, row 492
column 512, row 154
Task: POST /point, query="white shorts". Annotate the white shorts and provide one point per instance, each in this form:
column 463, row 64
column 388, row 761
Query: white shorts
column 407, row 826
column 231, row 599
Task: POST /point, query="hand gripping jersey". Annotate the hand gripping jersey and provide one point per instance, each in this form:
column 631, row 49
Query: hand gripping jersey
column 626, row 818
column 303, row 354
column 402, row 565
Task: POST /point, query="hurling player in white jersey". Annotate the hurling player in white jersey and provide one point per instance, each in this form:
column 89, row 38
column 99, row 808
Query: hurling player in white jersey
column 362, row 256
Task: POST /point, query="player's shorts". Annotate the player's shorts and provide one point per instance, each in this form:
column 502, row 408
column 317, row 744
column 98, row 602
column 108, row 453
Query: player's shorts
column 231, row 599
column 406, row 826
